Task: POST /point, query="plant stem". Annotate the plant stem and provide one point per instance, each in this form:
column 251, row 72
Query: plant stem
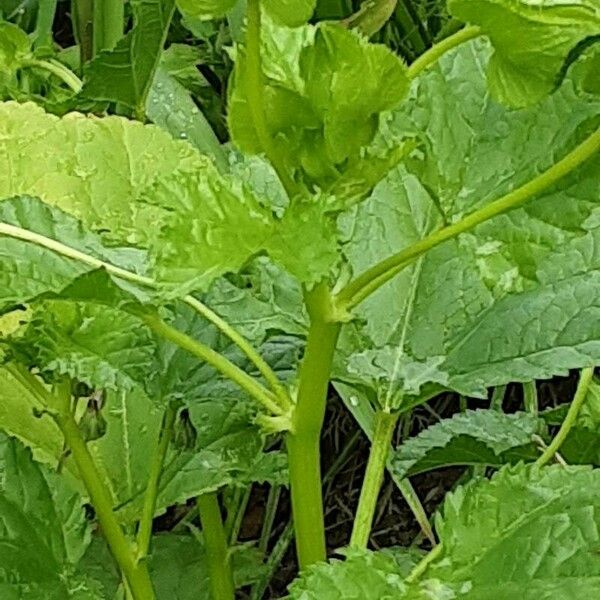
column 166, row 434
column 246, row 347
column 385, row 423
column 217, row 551
column 498, row 398
column 109, row 18
column 233, row 525
column 303, row 441
column 82, row 14
column 68, row 252
column 423, row 565
column 254, row 79
column 530, row 398
column 372, row 279
column 270, row 513
column 136, row 574
column 43, row 25
column 59, row 70
column 435, row 52
column 218, row 361
column 580, row 394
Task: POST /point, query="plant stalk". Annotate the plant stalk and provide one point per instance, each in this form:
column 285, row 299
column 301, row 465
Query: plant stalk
column 427, row 59
column 82, row 15
column 580, row 394
column 530, row 398
column 385, row 424
column 109, row 20
column 165, row 436
column 136, row 574
column 303, row 441
column 372, row 279
column 217, row 551
column 58, row 70
column 43, row 25
column 254, row 92
column 218, row 361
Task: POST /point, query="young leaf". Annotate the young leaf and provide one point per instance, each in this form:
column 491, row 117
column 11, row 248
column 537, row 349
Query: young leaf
column 318, row 117
column 475, row 437
column 290, row 12
column 125, row 74
column 505, row 302
column 534, row 42
column 14, row 48
column 43, row 530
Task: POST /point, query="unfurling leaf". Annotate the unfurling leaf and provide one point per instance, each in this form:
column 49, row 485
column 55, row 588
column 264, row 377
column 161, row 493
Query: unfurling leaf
column 325, row 90
column 290, row 12
column 205, row 9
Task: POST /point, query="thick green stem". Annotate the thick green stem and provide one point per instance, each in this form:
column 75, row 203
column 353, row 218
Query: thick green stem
column 372, row 279
column 435, row 52
column 580, row 394
column 82, row 14
column 385, row 423
column 217, row 551
column 57, row 69
column 68, row 252
column 109, row 22
column 303, row 441
column 136, row 574
column 218, row 361
column 166, row 434
column 254, row 93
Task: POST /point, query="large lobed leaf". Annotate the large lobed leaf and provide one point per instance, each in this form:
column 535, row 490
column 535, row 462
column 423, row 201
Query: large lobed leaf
column 534, row 42
column 516, row 299
column 526, row 533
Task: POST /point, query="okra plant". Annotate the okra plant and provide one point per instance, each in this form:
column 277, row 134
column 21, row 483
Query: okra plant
column 176, row 310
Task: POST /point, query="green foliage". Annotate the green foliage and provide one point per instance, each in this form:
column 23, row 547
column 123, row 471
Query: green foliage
column 290, row 12
column 205, row 9
column 489, row 533
column 43, row 530
column 318, row 117
column 534, row 42
column 475, row 437
column 503, row 302
column 125, row 74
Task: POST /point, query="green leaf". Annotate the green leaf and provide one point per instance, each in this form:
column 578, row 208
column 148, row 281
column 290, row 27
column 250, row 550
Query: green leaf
column 371, row 16
column 14, row 48
column 318, row 117
column 220, row 225
column 475, row 437
column 364, row 574
column 290, row 12
column 526, row 533
column 543, row 520
column 43, row 530
column 18, row 408
column 102, row 346
column 534, row 42
column 125, row 74
column 505, row 302
column 29, row 270
column 104, row 169
column 205, row 9
column 171, row 106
